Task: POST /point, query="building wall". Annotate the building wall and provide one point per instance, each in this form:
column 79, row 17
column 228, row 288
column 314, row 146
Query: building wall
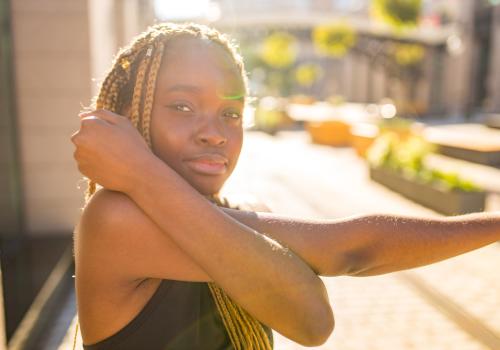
column 52, row 76
column 62, row 50
column 494, row 73
column 112, row 24
column 10, row 198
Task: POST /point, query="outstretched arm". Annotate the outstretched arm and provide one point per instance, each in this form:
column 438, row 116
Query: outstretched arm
column 375, row 244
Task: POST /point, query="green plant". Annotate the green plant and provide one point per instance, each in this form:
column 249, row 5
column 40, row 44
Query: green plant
column 269, row 114
column 395, row 123
column 400, row 14
column 381, row 151
column 451, row 181
column 410, row 155
column 408, row 158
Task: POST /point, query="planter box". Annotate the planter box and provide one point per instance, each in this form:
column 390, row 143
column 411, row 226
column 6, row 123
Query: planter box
column 471, row 142
column 361, row 144
column 493, row 121
column 491, row 158
column 453, row 202
column 331, row 132
column 362, row 137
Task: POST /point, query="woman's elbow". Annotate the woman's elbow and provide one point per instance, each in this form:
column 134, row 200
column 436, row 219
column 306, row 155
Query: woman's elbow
column 319, row 328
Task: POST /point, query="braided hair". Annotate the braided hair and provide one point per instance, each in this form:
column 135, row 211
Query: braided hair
column 130, row 86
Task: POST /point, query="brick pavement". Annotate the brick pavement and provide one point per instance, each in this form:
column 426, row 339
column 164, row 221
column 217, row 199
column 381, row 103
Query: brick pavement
column 298, row 178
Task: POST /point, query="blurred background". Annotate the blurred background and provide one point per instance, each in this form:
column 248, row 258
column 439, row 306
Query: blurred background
column 360, row 106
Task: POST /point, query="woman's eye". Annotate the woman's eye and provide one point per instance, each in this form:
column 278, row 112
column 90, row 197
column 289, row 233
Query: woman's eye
column 233, row 115
column 180, row 107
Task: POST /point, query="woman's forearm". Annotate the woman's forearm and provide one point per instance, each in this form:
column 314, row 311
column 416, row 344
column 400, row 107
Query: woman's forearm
column 375, row 244
column 265, row 278
column 400, row 243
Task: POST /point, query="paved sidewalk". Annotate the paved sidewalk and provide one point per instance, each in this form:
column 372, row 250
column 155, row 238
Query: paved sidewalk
column 385, row 312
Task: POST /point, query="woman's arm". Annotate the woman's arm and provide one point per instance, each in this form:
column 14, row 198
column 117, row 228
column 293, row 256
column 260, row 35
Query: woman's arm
column 375, row 244
column 265, row 278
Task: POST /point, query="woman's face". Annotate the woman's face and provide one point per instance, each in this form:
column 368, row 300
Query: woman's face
column 196, row 122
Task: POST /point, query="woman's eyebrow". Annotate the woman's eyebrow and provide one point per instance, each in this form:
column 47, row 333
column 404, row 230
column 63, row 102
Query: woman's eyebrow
column 196, row 89
column 183, row 87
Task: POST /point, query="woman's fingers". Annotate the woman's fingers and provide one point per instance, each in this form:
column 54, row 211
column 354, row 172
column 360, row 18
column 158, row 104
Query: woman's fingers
column 105, row 115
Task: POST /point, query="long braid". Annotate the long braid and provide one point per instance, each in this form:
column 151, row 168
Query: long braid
column 130, row 86
column 138, row 91
column 108, row 98
column 244, row 330
column 110, row 93
column 150, row 91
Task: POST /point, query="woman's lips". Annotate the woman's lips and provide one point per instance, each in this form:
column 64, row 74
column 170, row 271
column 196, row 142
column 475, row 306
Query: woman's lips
column 208, row 164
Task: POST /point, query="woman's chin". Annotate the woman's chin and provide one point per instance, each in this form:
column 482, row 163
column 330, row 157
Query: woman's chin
column 205, row 184
column 207, row 188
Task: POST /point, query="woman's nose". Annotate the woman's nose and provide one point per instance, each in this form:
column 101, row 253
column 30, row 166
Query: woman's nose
column 211, row 134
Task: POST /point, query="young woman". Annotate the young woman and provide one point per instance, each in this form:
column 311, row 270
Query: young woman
column 159, row 266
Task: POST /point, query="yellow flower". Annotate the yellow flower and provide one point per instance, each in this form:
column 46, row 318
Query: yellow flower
column 279, row 50
column 307, row 73
column 408, row 54
column 334, row 39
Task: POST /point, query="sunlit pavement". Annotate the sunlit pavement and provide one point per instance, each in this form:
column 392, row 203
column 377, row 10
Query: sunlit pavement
column 451, row 305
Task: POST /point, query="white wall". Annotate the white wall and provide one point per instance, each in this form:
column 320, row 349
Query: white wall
column 494, row 75
column 52, row 76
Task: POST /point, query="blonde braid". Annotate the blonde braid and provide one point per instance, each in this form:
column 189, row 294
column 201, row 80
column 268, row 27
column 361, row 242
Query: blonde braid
column 138, row 90
column 150, row 92
column 110, row 91
column 108, row 98
column 244, row 331
column 136, row 69
column 232, row 330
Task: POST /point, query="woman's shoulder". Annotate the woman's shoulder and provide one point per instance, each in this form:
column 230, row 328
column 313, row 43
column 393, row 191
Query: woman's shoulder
column 108, row 214
column 109, row 202
column 111, row 207
column 128, row 245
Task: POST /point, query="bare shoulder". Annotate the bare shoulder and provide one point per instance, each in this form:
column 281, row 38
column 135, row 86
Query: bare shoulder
column 116, row 238
column 109, row 208
column 108, row 219
column 106, row 226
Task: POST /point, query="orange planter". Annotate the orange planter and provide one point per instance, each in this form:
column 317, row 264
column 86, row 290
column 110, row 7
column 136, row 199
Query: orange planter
column 362, row 137
column 331, row 132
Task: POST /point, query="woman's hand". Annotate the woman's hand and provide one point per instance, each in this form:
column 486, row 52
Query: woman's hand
column 109, row 150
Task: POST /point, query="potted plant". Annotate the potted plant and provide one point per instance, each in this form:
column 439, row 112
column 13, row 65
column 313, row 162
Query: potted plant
column 362, row 137
column 400, row 166
column 270, row 115
column 329, row 132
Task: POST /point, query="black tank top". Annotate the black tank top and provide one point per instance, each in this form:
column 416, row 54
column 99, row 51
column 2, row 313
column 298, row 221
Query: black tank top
column 179, row 316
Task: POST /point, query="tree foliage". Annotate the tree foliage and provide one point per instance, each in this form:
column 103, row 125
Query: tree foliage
column 400, row 14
